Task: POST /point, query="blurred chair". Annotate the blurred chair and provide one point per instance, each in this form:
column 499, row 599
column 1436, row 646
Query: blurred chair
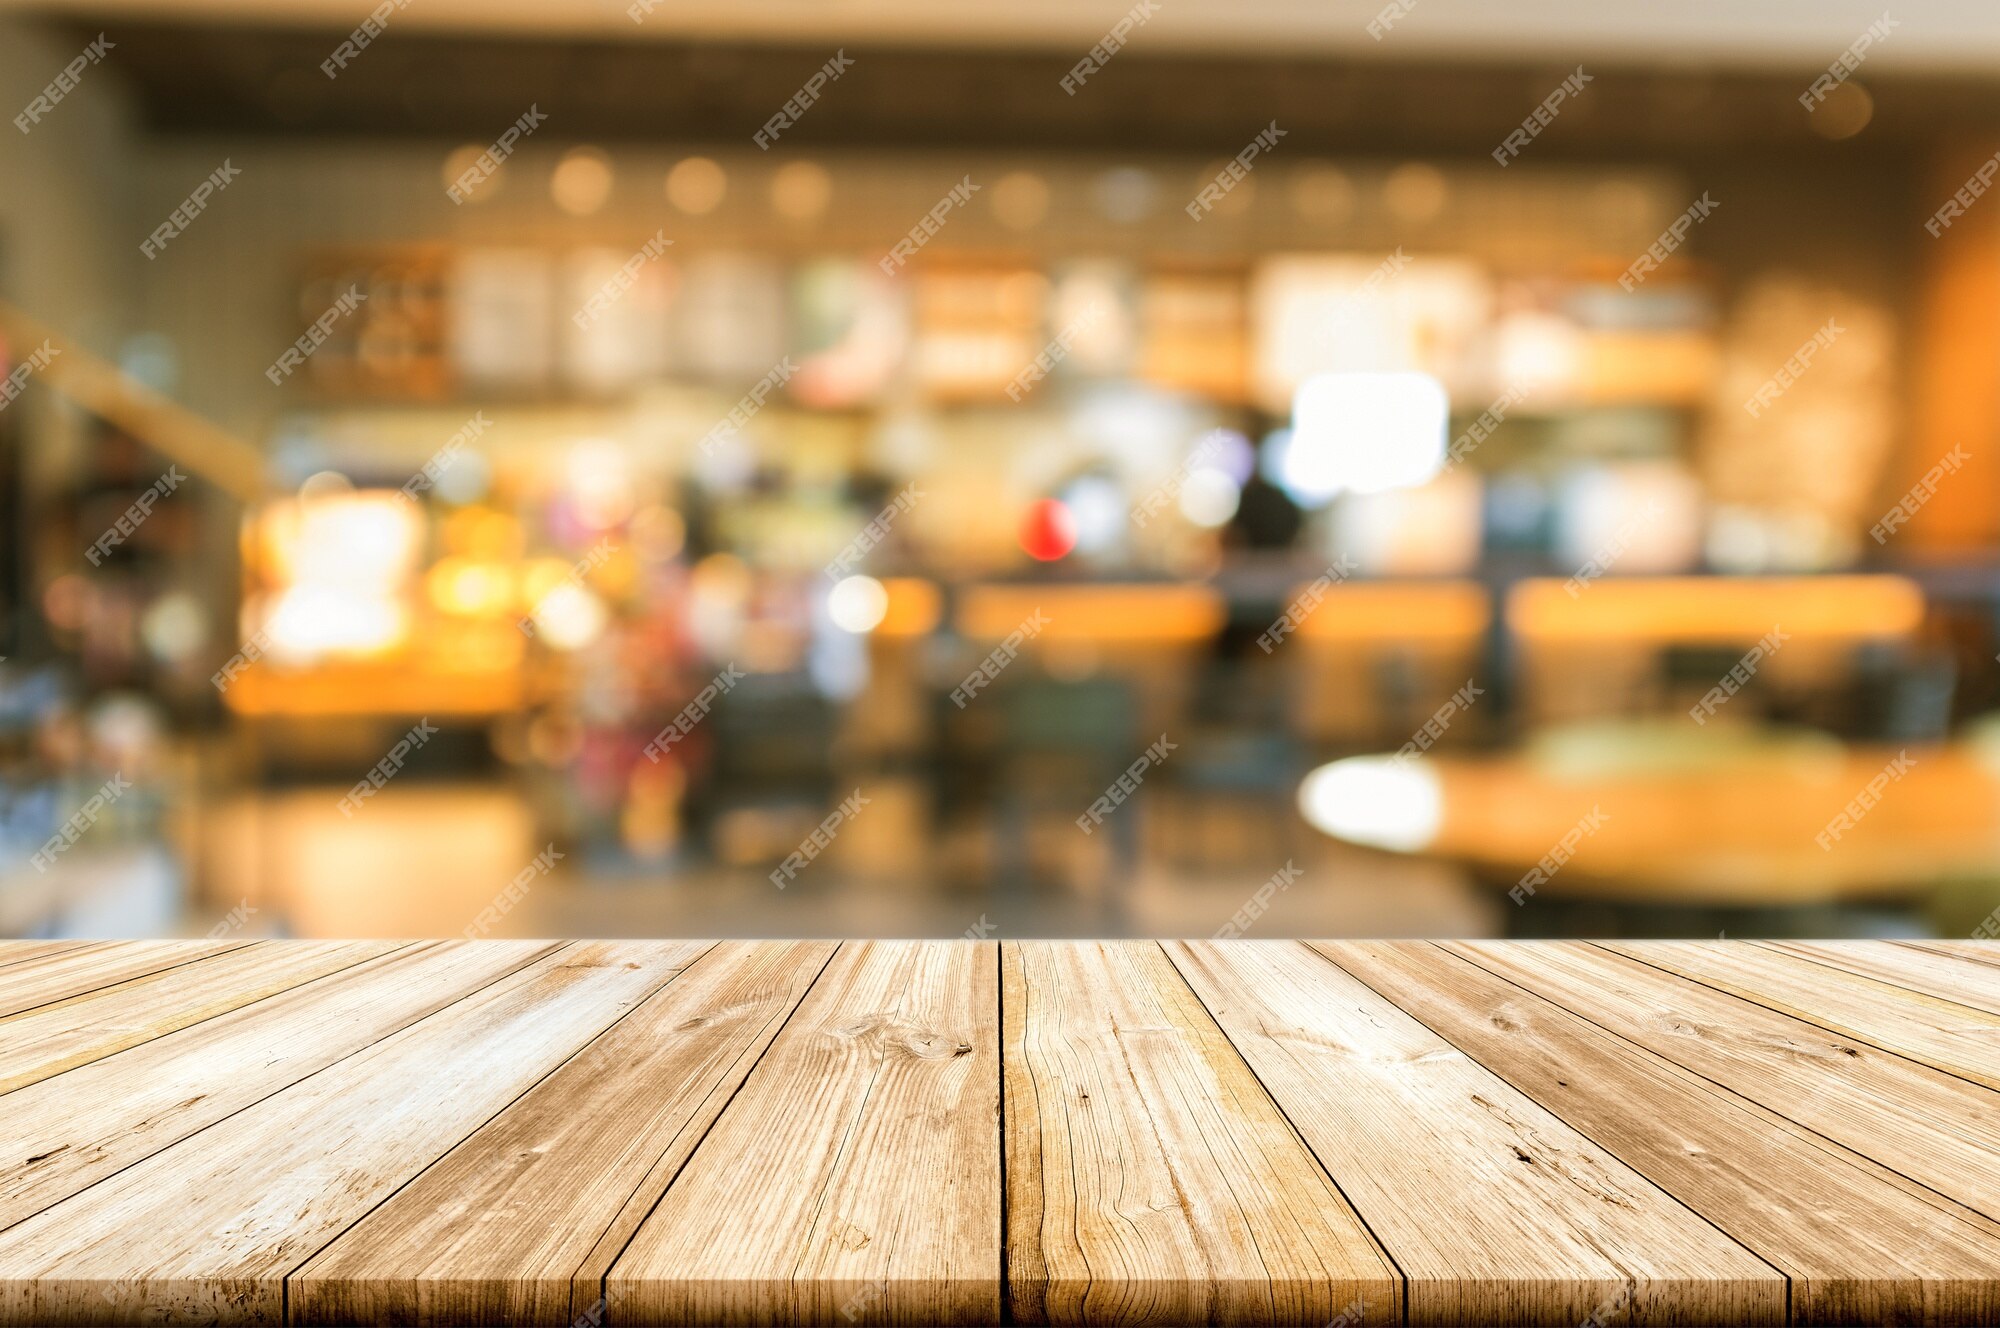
column 1371, row 660
column 1899, row 695
column 1104, row 672
column 1687, row 672
column 773, row 745
column 1152, row 634
column 1232, row 782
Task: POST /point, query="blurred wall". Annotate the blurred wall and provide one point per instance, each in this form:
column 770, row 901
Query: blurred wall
column 1956, row 378
column 67, row 190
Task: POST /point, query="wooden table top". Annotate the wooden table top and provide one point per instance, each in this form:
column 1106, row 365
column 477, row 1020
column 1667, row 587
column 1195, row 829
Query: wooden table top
column 946, row 1131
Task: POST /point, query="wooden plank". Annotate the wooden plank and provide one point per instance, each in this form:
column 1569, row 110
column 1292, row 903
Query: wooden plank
column 545, row 1195
column 209, row 1228
column 855, row 1178
column 1492, row 1207
column 1934, row 1128
column 1860, row 1243
column 26, row 986
column 22, row 952
column 1939, row 1033
column 1150, row 1179
column 1979, row 952
column 1948, row 977
column 73, row 1130
column 53, row 1038
column 505, row 1132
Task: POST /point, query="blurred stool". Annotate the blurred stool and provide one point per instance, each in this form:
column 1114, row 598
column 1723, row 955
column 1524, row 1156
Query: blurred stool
column 773, row 744
column 1247, row 780
column 1063, row 744
column 1238, row 757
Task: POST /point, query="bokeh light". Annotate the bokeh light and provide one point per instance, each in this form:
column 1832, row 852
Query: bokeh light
column 857, row 604
column 1048, row 530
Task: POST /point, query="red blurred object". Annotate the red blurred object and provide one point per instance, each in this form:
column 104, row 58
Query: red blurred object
column 1048, row 531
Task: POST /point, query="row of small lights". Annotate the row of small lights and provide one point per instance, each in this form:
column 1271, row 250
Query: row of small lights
column 582, row 181
column 1416, row 191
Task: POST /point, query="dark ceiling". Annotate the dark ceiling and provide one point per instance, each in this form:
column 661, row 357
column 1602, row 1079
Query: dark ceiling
column 268, row 81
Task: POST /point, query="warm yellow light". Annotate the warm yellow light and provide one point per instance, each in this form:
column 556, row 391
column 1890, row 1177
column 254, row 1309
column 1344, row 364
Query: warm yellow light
column 461, row 160
column 722, row 574
column 616, row 571
column 1020, row 200
column 1415, row 192
column 658, row 532
column 1716, row 610
column 801, row 190
column 581, row 184
column 1846, row 110
column 598, row 476
column 570, row 617
column 718, row 602
column 483, row 533
column 915, row 606
column 1323, row 193
column 541, row 576
column 369, row 538
column 341, row 565
column 462, row 586
column 1152, row 613
column 311, row 621
column 1374, row 612
column 696, row 186
column 357, row 539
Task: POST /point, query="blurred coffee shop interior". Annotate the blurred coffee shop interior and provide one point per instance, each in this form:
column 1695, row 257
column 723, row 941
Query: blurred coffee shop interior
column 880, row 469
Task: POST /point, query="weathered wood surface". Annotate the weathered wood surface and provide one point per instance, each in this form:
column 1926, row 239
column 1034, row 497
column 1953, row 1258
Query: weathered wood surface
column 955, row 1132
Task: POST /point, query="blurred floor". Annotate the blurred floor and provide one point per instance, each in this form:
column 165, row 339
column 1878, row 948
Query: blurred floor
column 428, row 861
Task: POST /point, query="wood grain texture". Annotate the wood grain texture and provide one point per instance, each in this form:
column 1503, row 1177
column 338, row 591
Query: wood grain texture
column 1949, row 977
column 1150, row 1180
column 855, row 1177
column 91, row 968
column 1932, row 1127
column 1860, row 1243
column 520, row 1222
column 22, row 952
column 1943, row 1034
column 1492, row 1207
column 62, row 1134
column 1979, row 952
column 209, row 1228
column 803, row 1132
column 53, row 1038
